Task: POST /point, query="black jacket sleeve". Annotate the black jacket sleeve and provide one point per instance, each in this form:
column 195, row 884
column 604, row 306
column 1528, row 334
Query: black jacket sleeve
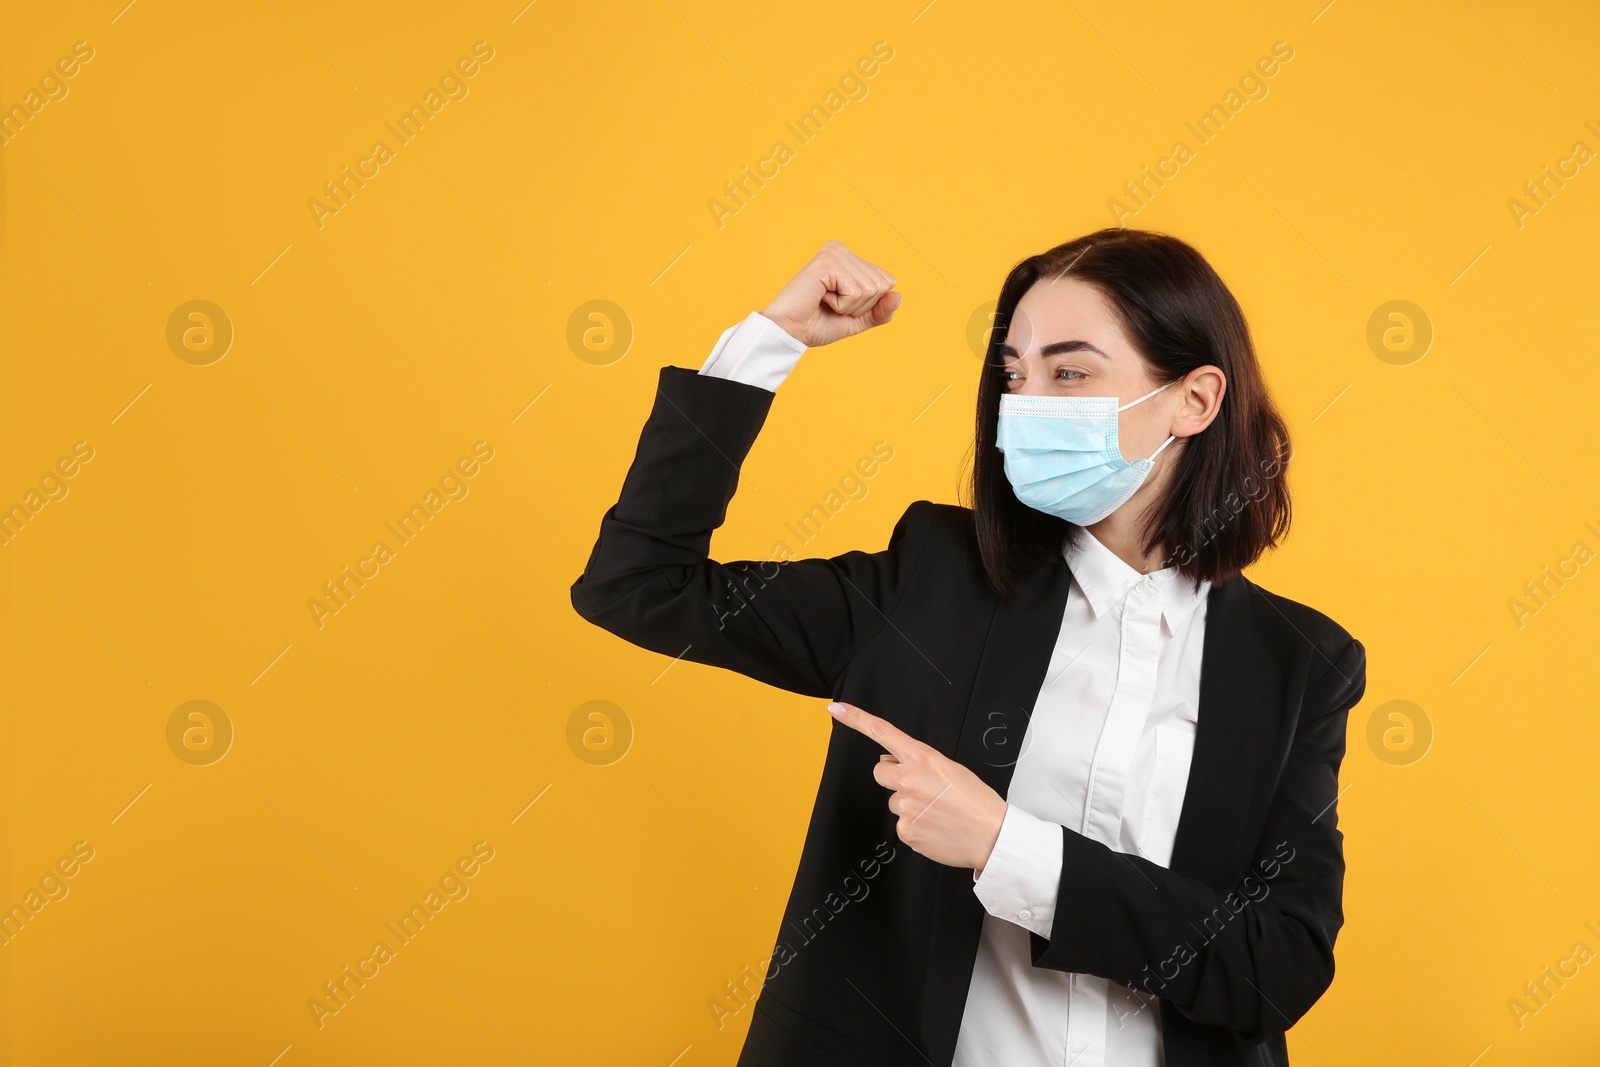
column 794, row 624
column 1252, row 959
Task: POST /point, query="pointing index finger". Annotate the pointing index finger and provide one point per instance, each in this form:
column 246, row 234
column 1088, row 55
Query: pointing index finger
column 900, row 744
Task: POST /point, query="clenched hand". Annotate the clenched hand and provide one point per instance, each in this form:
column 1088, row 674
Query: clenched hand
column 836, row 295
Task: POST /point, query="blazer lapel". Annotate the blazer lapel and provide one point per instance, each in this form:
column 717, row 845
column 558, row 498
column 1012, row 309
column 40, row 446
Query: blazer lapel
column 1230, row 735
column 1011, row 670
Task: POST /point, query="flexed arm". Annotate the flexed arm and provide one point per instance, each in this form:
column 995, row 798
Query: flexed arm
column 649, row 578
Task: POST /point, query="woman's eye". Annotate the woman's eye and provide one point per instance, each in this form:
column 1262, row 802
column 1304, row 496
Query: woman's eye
column 1062, row 374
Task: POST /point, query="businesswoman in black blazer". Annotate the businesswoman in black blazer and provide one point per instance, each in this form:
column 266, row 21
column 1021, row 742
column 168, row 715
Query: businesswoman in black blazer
column 1079, row 805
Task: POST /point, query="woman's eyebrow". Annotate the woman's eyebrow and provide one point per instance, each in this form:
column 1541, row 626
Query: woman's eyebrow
column 1056, row 348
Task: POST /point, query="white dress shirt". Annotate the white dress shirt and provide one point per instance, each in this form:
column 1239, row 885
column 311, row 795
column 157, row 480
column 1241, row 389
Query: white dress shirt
column 1106, row 754
column 757, row 352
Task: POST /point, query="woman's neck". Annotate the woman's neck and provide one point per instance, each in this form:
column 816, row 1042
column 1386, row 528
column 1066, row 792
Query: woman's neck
column 1119, row 531
column 1123, row 541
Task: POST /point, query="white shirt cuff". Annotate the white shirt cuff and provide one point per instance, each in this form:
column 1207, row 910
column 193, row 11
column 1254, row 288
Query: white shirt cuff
column 1022, row 879
column 757, row 352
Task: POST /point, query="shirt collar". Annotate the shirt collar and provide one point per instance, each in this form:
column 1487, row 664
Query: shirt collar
column 1105, row 580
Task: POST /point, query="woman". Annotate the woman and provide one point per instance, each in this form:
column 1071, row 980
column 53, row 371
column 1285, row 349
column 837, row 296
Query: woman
column 1110, row 835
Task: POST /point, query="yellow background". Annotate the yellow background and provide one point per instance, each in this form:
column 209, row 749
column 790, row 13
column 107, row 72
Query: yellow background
column 426, row 315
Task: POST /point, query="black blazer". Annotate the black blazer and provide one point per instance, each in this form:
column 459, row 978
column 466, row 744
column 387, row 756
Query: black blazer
column 875, row 952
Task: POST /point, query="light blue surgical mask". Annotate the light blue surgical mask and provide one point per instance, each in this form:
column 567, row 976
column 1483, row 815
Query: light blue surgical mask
column 1062, row 456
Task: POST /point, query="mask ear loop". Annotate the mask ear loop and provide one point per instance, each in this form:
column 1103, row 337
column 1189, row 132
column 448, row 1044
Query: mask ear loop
column 1152, row 457
column 1142, row 399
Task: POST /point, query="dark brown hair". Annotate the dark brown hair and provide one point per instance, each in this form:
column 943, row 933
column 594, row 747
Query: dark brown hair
column 1228, row 499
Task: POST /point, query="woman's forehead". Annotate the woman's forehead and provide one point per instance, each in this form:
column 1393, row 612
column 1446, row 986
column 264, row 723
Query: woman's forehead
column 1061, row 310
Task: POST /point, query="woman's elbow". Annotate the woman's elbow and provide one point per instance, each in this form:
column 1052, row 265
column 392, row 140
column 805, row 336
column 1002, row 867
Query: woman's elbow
column 1279, row 1006
column 600, row 602
column 1256, row 1002
column 648, row 607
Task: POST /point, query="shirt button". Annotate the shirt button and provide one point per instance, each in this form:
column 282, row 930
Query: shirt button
column 1025, row 914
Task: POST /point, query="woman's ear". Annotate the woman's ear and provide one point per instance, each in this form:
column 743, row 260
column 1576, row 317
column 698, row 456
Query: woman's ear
column 1200, row 399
